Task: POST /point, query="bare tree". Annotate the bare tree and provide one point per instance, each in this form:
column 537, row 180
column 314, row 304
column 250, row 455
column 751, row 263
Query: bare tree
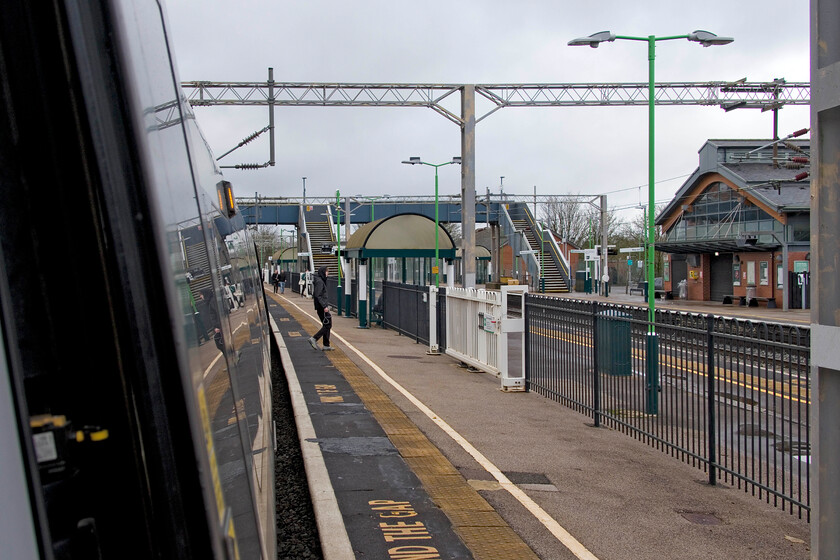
column 266, row 239
column 634, row 230
column 576, row 220
column 454, row 230
column 633, row 233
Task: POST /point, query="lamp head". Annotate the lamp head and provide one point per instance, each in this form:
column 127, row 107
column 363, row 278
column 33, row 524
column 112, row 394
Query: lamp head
column 593, row 40
column 708, row 39
column 456, row 159
column 413, row 160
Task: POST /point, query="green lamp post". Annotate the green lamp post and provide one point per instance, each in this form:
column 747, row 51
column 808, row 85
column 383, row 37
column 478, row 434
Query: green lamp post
column 415, row 160
column 706, row 39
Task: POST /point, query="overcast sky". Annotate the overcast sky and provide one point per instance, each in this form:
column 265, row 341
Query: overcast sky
column 558, row 150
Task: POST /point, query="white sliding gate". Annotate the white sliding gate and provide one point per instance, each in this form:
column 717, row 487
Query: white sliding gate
column 482, row 331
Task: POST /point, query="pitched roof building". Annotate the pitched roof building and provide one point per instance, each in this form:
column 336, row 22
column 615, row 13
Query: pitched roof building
column 732, row 223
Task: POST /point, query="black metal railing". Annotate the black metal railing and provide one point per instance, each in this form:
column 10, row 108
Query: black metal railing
column 294, row 282
column 729, row 396
column 405, row 309
column 332, row 291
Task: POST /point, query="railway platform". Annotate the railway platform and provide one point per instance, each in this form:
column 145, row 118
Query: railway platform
column 410, row 455
column 760, row 313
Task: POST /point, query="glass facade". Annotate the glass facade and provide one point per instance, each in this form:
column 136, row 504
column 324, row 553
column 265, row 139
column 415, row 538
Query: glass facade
column 721, row 212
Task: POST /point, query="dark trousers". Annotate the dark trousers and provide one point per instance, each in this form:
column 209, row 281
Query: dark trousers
column 325, row 329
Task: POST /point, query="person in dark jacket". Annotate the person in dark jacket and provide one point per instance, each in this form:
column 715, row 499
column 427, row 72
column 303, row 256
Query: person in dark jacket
column 281, row 280
column 319, row 296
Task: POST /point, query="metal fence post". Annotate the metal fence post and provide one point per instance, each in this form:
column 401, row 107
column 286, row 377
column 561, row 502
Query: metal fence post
column 526, row 340
column 433, row 339
column 711, row 436
column 596, row 375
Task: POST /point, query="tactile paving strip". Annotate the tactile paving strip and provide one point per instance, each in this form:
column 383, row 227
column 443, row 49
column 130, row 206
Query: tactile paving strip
column 483, row 530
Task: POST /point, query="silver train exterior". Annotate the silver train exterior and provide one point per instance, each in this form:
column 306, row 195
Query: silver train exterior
column 135, row 390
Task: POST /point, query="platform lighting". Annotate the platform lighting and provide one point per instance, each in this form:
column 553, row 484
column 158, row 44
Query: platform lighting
column 415, row 160
column 707, row 39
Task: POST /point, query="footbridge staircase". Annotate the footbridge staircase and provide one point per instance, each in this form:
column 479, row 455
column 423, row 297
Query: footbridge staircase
column 316, row 222
column 524, row 235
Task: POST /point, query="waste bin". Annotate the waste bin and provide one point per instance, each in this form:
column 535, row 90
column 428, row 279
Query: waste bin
column 587, row 286
column 644, row 286
column 613, row 342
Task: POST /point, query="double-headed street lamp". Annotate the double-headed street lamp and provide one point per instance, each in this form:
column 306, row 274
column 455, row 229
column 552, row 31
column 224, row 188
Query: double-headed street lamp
column 415, row 160
column 706, row 39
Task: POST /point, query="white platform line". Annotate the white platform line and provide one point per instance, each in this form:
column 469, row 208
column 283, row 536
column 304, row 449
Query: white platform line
column 562, row 535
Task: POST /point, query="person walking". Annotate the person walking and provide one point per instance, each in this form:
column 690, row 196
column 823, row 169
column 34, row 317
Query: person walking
column 229, row 295
column 275, row 281
column 319, row 296
column 281, row 279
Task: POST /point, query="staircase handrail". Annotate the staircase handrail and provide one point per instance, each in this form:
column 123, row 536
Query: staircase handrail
column 554, row 249
column 516, row 239
column 305, row 235
column 334, row 239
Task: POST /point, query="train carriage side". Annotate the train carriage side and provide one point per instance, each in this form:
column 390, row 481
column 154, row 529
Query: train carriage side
column 134, row 356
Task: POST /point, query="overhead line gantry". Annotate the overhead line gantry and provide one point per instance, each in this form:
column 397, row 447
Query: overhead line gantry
column 727, row 95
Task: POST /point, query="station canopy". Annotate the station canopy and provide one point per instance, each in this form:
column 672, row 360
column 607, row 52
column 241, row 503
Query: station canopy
column 289, row 254
column 403, row 235
column 482, row 253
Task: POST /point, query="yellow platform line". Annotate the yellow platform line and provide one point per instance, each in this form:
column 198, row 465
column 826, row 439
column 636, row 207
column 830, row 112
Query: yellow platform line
column 485, row 533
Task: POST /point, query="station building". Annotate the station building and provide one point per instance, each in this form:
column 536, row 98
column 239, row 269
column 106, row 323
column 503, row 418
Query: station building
column 740, row 224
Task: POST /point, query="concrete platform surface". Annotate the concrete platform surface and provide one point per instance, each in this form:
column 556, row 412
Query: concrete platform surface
column 567, row 489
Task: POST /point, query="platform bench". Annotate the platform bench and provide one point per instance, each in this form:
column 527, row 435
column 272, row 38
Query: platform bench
column 728, row 299
column 639, row 288
column 771, row 302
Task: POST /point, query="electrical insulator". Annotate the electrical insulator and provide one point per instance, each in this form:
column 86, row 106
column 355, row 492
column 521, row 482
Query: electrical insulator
column 793, row 165
column 249, row 138
column 799, row 133
column 794, row 147
column 800, row 159
column 801, row 176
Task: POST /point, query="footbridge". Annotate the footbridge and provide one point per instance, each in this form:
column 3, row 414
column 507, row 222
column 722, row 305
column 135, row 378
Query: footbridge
column 319, row 222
